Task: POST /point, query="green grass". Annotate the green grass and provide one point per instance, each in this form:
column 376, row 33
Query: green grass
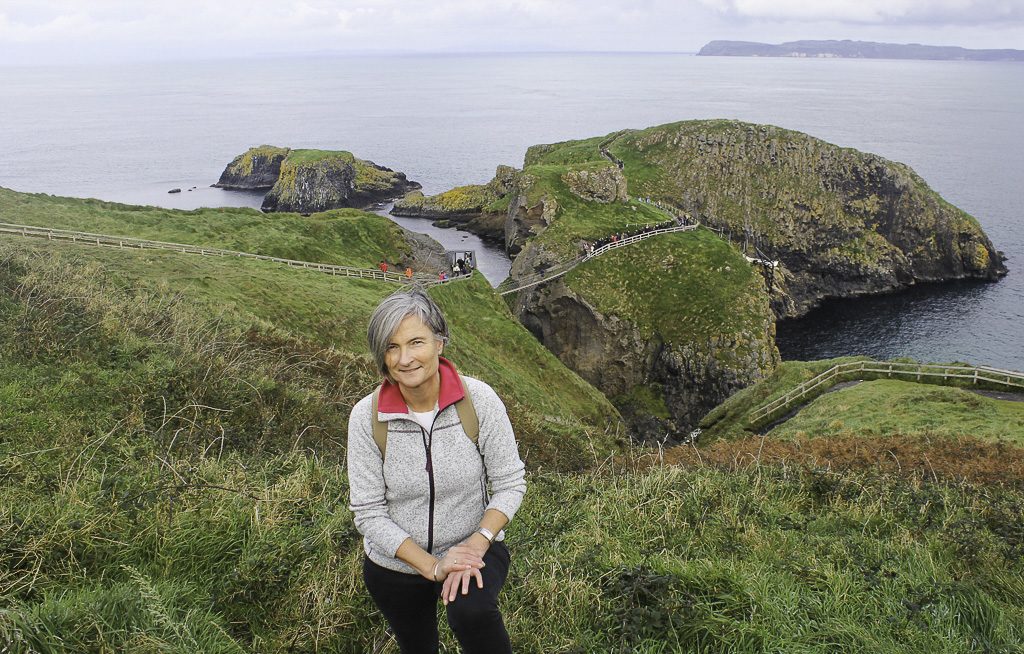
column 342, row 236
column 306, row 157
column 730, row 418
column 563, row 420
column 681, row 287
column 580, row 220
column 172, row 480
column 665, row 560
column 890, row 406
column 872, row 408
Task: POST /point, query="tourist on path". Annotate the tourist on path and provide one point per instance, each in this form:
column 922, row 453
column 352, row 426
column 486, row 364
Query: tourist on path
column 430, row 528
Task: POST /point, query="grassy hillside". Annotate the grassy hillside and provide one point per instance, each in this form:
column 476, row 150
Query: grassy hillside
column 871, row 408
column 342, row 236
column 172, row 432
column 328, row 312
column 681, row 288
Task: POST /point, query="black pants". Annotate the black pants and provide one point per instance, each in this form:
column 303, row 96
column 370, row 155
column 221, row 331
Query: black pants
column 409, row 604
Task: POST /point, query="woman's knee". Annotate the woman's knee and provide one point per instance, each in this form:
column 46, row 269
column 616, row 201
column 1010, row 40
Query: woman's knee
column 473, row 611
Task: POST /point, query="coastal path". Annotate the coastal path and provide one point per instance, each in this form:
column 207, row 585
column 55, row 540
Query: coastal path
column 126, row 243
column 861, row 370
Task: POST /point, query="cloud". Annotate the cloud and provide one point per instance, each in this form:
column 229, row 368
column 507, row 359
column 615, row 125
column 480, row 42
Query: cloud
column 898, row 12
column 39, row 31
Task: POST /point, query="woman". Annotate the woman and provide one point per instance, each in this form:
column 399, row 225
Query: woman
column 430, row 529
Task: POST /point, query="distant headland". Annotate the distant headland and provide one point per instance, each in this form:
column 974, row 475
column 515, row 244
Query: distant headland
column 856, row 50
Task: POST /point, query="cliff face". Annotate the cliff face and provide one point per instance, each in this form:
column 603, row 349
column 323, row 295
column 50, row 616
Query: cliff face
column 255, row 170
column 841, row 222
column 308, row 181
column 666, row 328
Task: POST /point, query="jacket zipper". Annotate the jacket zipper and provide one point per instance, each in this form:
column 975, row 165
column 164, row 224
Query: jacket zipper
column 428, row 447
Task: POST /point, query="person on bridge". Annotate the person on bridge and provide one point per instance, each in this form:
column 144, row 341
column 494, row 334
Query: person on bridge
column 383, row 265
column 408, row 272
column 426, row 422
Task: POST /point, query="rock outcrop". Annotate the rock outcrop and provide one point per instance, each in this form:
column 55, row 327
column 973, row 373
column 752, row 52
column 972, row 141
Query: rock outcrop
column 481, row 209
column 602, row 185
column 840, row 222
column 255, row 170
column 308, row 181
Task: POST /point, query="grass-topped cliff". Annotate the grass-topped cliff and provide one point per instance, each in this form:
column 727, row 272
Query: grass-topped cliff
column 842, row 222
column 309, row 181
column 667, row 327
column 172, row 433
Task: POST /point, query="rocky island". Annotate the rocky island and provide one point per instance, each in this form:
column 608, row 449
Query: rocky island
column 308, row 181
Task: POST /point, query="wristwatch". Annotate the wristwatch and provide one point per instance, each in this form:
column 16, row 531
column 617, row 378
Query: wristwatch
column 486, row 533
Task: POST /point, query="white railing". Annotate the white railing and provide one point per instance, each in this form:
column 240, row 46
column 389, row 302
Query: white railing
column 922, row 372
column 563, row 268
column 124, row 242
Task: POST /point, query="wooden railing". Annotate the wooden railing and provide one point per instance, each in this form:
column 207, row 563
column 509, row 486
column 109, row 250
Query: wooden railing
column 124, row 242
column 922, row 372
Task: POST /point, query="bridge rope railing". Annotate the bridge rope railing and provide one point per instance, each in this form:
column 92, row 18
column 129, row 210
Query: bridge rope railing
column 923, row 372
column 519, row 283
column 124, row 242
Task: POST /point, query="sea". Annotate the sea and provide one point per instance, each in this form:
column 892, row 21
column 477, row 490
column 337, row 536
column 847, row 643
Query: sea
column 131, row 132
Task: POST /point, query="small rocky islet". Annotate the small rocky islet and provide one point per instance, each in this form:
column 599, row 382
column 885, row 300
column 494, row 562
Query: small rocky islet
column 670, row 327
column 308, row 181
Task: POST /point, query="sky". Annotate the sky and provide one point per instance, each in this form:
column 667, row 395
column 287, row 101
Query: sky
column 84, row 31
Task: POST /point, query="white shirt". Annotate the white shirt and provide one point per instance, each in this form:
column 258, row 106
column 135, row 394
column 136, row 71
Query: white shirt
column 425, row 419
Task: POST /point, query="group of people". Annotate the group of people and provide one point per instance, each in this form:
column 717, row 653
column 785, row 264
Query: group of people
column 459, row 267
column 590, row 248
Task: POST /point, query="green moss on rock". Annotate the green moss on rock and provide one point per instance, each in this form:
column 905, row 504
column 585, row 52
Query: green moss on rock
column 256, row 169
column 317, row 180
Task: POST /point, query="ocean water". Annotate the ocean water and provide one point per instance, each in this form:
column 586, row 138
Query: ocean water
column 131, row 132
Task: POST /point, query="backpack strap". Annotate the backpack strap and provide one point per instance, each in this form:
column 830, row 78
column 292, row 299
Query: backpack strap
column 380, row 429
column 467, row 414
column 464, row 407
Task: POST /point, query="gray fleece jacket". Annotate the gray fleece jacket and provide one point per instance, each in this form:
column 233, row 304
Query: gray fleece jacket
column 432, row 485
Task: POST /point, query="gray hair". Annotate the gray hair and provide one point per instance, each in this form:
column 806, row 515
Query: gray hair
column 391, row 311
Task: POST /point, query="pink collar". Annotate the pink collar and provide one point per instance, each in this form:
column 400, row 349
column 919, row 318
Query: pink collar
column 391, row 400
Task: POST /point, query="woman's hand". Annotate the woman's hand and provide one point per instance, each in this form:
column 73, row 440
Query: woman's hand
column 460, row 558
column 452, row 583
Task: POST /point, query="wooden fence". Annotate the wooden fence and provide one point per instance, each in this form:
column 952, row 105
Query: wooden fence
column 123, row 243
column 922, row 372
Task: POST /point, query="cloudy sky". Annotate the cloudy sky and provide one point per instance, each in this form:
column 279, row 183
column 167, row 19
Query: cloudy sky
column 55, row 31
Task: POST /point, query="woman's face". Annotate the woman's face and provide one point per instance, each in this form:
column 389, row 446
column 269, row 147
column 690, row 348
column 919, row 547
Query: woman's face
column 412, row 354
